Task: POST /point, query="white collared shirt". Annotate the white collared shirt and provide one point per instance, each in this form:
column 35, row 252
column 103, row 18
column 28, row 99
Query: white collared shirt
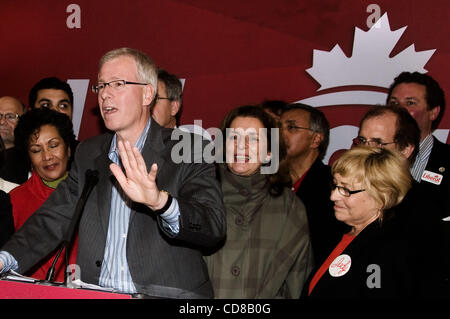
column 115, row 272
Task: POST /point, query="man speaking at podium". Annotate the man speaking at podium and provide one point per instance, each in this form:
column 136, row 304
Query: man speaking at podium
column 147, row 219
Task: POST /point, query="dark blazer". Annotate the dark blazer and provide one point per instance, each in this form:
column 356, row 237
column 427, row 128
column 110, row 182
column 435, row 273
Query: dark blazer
column 15, row 167
column 374, row 256
column 160, row 264
column 439, row 162
column 6, row 218
column 325, row 230
column 419, row 221
column 435, row 200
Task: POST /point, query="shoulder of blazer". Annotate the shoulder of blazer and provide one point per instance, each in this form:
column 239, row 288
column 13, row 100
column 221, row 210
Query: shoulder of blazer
column 440, row 148
column 166, row 139
column 321, row 169
column 97, row 144
column 318, row 177
column 369, row 237
column 439, row 157
column 172, row 135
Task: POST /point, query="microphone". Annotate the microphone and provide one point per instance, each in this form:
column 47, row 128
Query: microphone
column 91, row 179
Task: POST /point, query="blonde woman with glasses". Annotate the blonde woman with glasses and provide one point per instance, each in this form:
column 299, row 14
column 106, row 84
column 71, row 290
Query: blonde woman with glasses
column 372, row 260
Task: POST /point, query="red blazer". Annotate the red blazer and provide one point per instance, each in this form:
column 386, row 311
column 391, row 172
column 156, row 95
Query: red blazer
column 25, row 200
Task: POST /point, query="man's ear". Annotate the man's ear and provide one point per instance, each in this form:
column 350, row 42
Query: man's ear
column 434, row 113
column 407, row 151
column 174, row 107
column 149, row 93
column 317, row 139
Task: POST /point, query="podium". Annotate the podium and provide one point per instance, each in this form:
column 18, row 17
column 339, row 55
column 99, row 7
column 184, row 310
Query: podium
column 22, row 290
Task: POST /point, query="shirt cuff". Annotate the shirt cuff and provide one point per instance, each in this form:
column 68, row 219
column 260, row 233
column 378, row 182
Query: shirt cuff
column 8, row 261
column 170, row 217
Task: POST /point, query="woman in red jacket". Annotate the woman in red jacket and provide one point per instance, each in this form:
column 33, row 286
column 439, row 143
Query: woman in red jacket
column 45, row 136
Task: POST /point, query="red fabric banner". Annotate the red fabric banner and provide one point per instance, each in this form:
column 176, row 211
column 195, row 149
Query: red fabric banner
column 232, row 52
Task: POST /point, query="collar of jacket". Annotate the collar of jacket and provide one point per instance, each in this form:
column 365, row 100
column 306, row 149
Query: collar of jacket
column 243, row 195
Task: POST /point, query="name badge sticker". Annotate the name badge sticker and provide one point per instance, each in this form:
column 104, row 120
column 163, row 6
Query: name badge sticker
column 431, row 177
column 340, row 265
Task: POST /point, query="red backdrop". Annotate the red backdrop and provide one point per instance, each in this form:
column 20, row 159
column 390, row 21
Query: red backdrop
column 230, row 52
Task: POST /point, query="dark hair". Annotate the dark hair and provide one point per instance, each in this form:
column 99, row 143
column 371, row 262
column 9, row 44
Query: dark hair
column 49, row 83
column 281, row 178
column 274, row 106
column 434, row 94
column 407, row 130
column 174, row 90
column 317, row 122
column 31, row 122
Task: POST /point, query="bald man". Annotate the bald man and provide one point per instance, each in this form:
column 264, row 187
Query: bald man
column 15, row 168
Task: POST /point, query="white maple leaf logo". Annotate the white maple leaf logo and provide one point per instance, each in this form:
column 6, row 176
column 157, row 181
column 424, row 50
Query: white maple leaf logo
column 370, row 63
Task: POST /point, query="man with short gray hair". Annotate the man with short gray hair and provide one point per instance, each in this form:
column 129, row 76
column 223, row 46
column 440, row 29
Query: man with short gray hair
column 147, row 219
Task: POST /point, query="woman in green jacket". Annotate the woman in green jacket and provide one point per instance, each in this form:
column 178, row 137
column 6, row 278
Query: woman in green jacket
column 267, row 251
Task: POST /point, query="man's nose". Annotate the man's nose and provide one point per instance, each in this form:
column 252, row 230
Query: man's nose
column 105, row 92
column 54, row 107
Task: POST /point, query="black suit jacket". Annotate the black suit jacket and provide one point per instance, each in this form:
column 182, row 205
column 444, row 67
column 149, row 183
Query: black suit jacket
column 436, row 202
column 373, row 253
column 419, row 221
column 325, row 230
column 160, row 264
column 6, row 218
column 439, row 162
column 16, row 167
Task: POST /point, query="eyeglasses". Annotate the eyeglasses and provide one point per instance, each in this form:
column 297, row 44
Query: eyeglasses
column 344, row 191
column 162, row 98
column 291, row 127
column 373, row 142
column 116, row 85
column 10, row 117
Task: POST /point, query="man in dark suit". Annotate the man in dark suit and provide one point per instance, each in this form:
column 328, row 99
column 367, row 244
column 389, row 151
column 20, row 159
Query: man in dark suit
column 142, row 229
column 424, row 99
column 306, row 133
